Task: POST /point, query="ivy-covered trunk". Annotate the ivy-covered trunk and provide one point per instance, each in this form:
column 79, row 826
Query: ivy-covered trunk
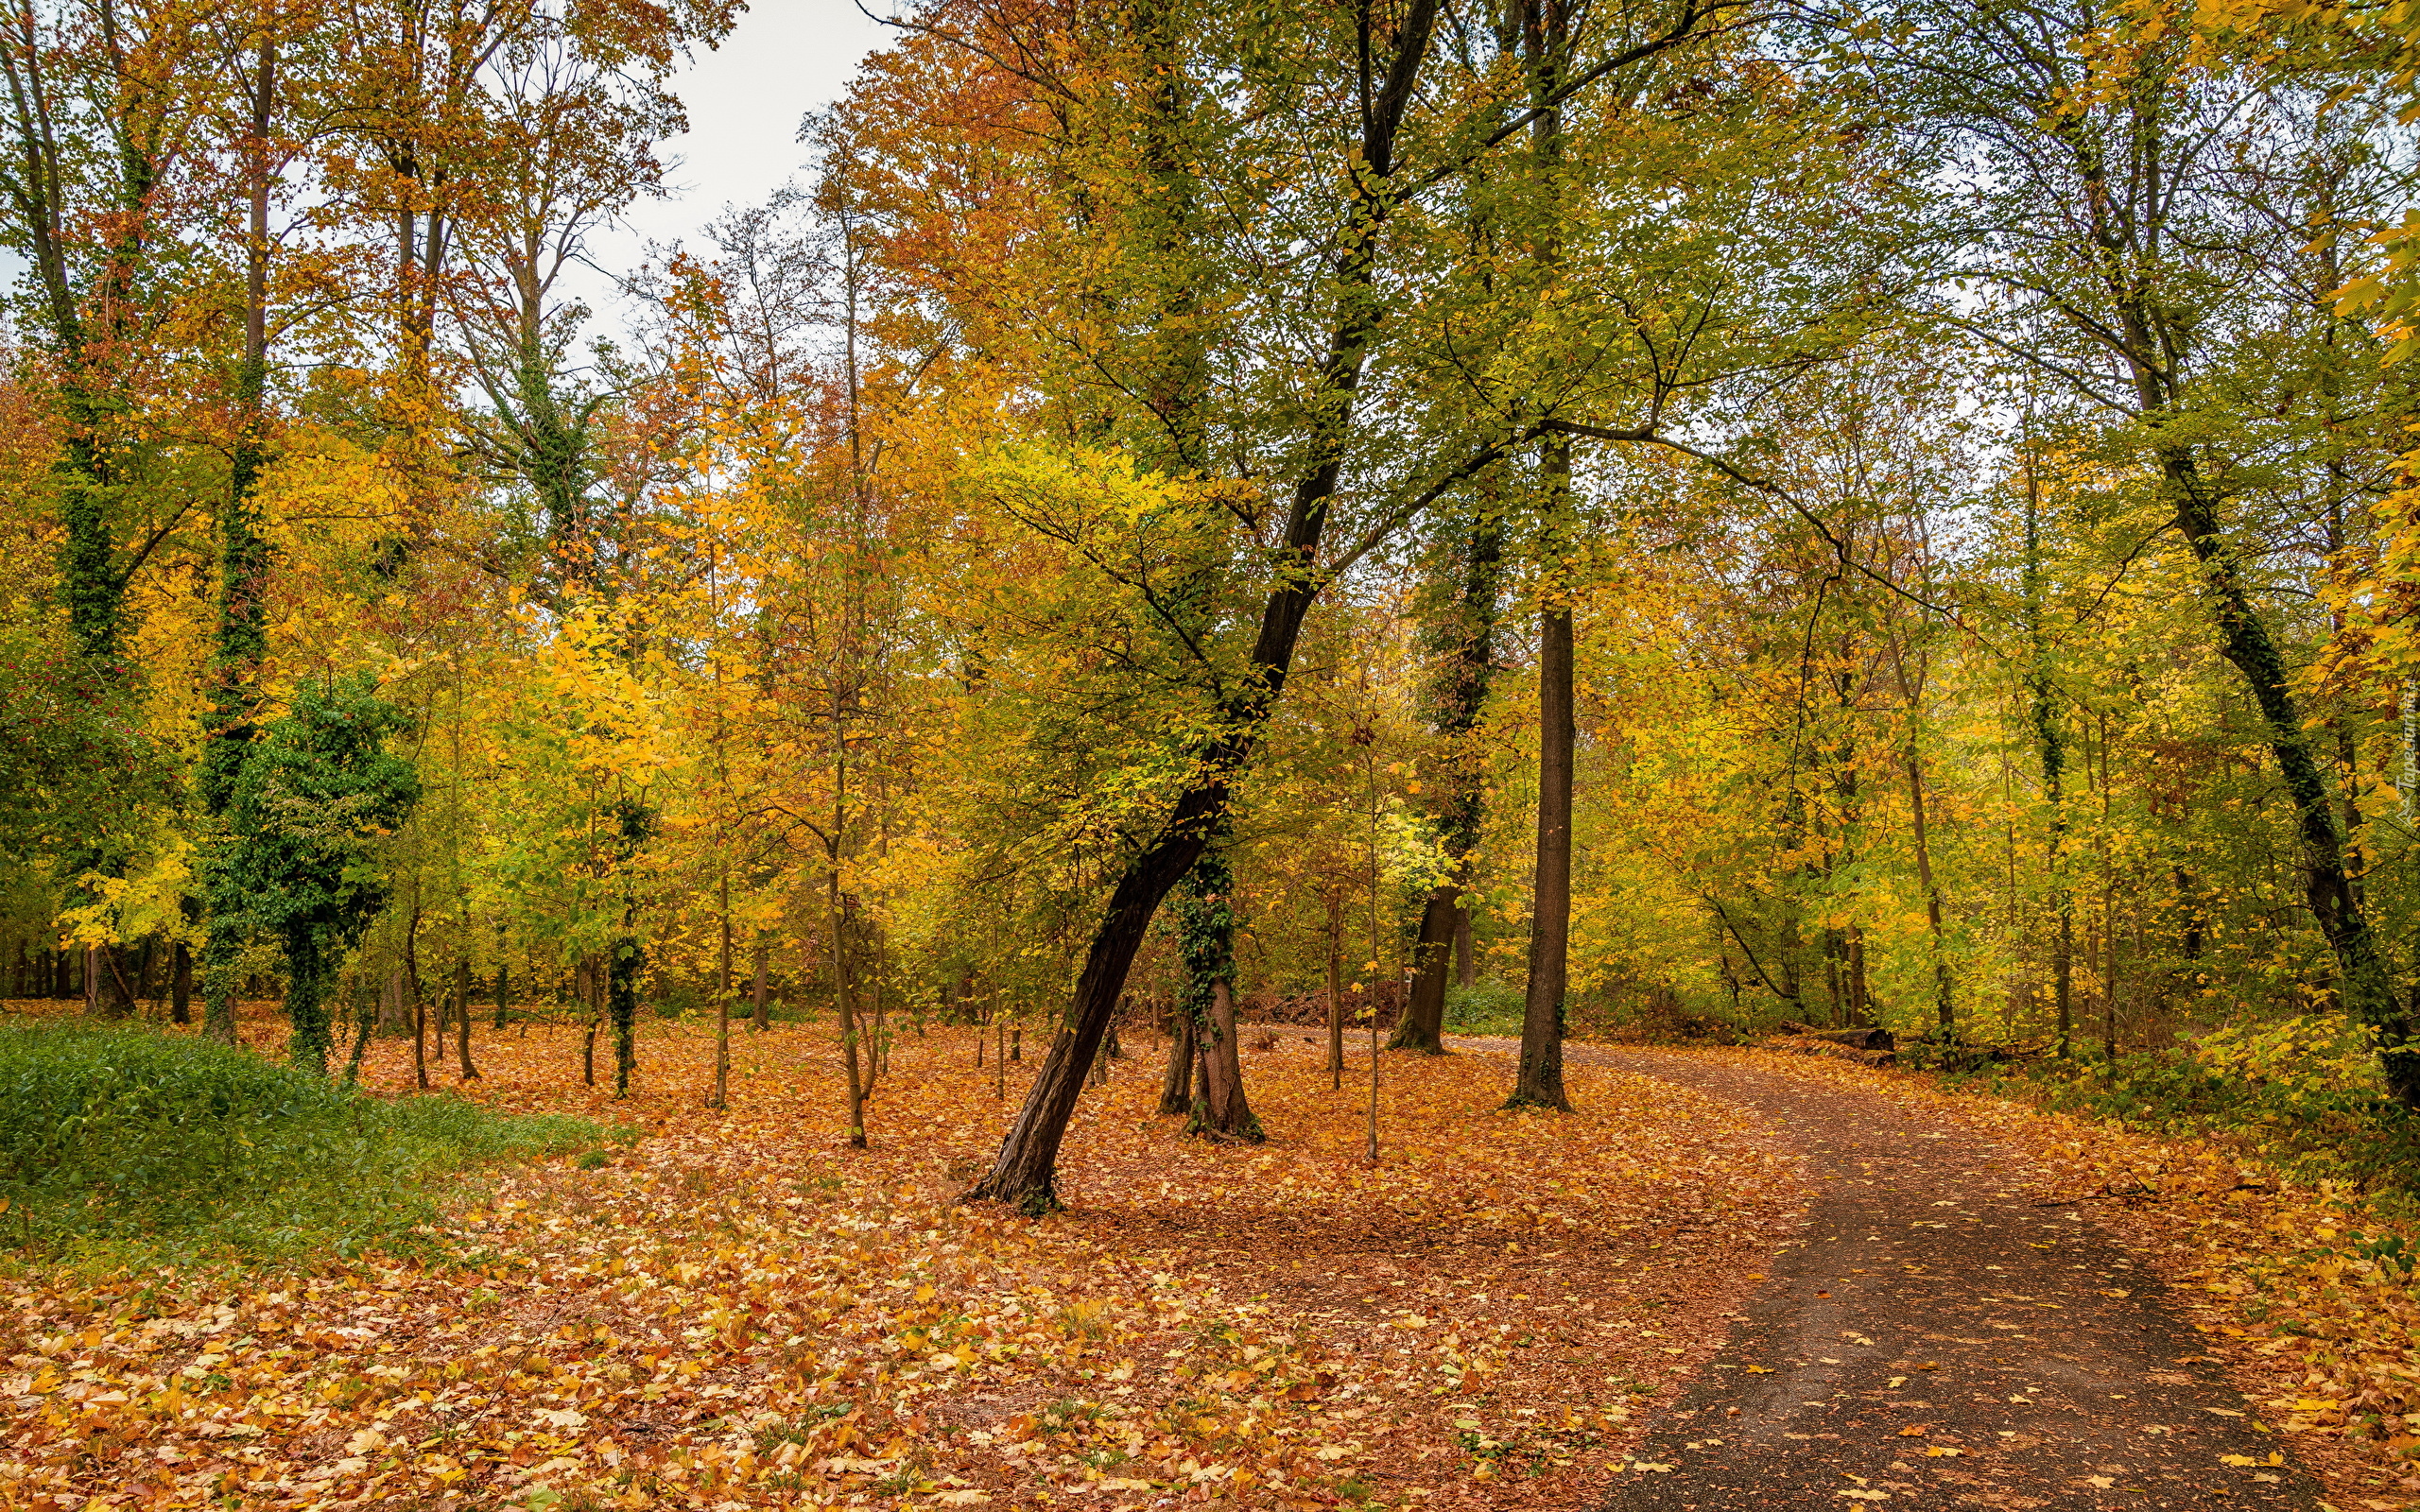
column 1206, row 941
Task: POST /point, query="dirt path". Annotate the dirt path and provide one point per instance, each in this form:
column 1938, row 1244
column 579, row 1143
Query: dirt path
column 1939, row 1336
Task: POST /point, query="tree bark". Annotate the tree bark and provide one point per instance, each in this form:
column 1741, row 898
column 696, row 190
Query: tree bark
column 1540, row 1083
column 462, row 1020
column 1422, row 1027
column 1335, row 989
column 1223, row 1110
column 1176, row 1087
column 844, row 1003
column 1206, row 939
column 1462, row 645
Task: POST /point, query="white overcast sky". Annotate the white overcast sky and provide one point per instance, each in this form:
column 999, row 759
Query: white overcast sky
column 745, row 99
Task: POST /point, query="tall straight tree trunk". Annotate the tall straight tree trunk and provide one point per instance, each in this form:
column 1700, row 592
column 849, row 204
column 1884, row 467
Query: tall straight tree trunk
column 2050, row 750
column 1463, row 646
column 844, row 1003
column 722, row 1000
column 761, row 1016
column 242, row 635
column 1945, row 1002
column 462, row 1020
column 1540, row 1083
column 1544, row 44
column 1335, row 989
column 1912, row 692
column 417, row 1002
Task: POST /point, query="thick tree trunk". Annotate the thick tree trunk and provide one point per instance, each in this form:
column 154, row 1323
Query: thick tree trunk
column 1206, row 939
column 1423, row 1025
column 1540, row 1083
column 1466, row 953
column 1461, row 646
column 1223, row 1110
column 181, row 986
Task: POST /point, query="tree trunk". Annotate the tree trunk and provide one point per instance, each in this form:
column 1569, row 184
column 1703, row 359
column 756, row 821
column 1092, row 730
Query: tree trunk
column 1465, row 954
column 622, row 1006
column 2050, row 748
column 837, row 910
column 462, row 1020
column 1336, row 989
column 1462, row 645
column 181, row 986
column 761, row 1018
column 1206, row 941
column 1223, row 1110
column 1176, row 1087
column 419, row 1002
column 1944, row 1004
column 1423, row 1025
column 588, row 981
column 1541, row 1075
column 722, row 1004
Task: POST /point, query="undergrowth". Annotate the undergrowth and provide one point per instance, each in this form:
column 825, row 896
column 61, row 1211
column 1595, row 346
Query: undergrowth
column 2304, row 1094
column 122, row 1144
column 1486, row 1007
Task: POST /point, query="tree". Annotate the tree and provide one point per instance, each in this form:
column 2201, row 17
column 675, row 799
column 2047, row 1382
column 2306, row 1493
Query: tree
column 316, row 794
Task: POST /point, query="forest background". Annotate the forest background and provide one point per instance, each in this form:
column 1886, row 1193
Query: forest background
column 1694, row 516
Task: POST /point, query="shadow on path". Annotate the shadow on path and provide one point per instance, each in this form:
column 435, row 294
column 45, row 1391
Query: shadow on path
column 1937, row 1336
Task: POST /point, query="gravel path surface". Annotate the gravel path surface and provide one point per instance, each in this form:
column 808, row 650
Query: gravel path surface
column 1940, row 1336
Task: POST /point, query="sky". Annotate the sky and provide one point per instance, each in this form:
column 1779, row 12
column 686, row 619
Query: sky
column 745, row 99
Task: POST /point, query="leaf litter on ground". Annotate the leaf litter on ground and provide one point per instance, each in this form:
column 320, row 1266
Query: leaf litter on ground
column 739, row 1311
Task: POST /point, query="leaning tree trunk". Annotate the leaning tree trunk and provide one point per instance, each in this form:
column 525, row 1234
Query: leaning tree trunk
column 2367, row 989
column 1025, row 1173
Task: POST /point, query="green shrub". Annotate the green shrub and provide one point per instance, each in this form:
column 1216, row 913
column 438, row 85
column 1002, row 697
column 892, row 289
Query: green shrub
column 122, row 1139
column 2305, row 1093
column 1485, row 1007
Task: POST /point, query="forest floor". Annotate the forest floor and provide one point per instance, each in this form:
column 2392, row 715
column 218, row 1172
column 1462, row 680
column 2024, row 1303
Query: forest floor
column 1528, row 1311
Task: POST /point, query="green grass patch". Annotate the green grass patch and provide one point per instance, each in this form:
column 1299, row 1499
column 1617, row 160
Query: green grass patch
column 126, row 1145
column 1485, row 1007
